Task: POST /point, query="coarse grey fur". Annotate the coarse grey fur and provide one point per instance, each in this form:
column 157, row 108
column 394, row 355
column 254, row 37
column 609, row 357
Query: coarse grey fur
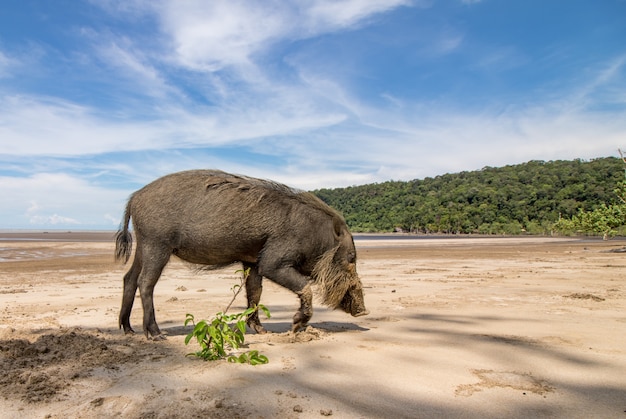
column 213, row 218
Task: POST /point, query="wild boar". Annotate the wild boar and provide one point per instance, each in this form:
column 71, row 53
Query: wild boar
column 212, row 218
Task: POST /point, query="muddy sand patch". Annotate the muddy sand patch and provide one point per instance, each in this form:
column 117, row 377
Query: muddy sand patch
column 41, row 370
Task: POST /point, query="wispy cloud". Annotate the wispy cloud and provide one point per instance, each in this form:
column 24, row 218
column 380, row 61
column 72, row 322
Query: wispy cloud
column 328, row 15
column 49, row 126
column 211, row 36
column 390, row 139
column 501, row 59
column 130, row 65
column 603, row 86
column 204, row 38
column 6, row 65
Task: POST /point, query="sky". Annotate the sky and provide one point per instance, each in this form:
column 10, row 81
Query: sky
column 100, row 97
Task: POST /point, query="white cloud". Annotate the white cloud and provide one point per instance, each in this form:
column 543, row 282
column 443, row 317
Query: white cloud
column 331, row 15
column 121, row 55
column 44, row 126
column 55, row 199
column 501, row 59
column 449, row 43
column 7, row 65
column 48, row 126
column 33, row 208
column 603, row 86
column 112, row 220
column 212, row 35
column 52, row 220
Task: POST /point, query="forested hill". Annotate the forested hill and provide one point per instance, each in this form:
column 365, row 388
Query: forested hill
column 527, row 197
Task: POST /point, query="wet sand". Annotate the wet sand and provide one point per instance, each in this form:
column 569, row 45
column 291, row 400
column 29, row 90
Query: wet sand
column 472, row 327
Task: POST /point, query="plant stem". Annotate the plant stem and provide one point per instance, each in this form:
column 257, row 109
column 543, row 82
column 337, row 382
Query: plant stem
column 242, row 284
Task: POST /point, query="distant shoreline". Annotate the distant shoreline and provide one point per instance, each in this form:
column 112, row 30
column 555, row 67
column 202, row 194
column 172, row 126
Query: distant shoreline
column 360, row 238
column 61, row 235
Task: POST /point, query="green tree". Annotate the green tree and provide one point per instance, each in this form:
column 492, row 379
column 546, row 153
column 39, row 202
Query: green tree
column 604, row 219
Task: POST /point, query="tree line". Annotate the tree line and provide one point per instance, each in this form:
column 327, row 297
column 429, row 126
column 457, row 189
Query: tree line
column 528, row 198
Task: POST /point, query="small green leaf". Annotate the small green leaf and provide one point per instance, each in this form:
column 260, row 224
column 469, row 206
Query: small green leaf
column 265, row 310
column 248, row 311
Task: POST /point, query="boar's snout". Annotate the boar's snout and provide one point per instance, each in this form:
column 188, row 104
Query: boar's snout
column 363, row 312
column 353, row 302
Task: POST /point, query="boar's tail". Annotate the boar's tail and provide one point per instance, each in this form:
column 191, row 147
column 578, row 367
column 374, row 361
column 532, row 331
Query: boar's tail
column 123, row 238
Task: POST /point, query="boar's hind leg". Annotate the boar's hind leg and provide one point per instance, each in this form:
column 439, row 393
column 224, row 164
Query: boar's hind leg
column 128, row 298
column 153, row 262
column 254, row 288
column 293, row 280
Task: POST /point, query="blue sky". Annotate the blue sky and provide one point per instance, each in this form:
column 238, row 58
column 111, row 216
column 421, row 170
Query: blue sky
column 98, row 98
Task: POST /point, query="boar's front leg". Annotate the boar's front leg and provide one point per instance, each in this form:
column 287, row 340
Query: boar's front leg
column 290, row 278
column 304, row 314
column 254, row 288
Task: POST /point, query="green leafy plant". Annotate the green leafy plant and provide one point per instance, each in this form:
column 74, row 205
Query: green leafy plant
column 217, row 336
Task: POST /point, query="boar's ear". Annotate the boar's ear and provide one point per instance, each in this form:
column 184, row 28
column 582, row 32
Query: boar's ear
column 338, row 227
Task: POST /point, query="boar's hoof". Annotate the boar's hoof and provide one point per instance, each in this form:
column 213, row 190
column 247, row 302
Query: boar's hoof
column 255, row 324
column 298, row 326
column 157, row 338
column 300, row 321
column 129, row 331
column 258, row 328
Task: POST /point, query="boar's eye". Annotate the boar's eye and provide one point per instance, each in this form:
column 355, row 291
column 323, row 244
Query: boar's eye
column 351, row 257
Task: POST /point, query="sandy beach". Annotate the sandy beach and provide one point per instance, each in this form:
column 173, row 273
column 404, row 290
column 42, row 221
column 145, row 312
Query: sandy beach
column 458, row 328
